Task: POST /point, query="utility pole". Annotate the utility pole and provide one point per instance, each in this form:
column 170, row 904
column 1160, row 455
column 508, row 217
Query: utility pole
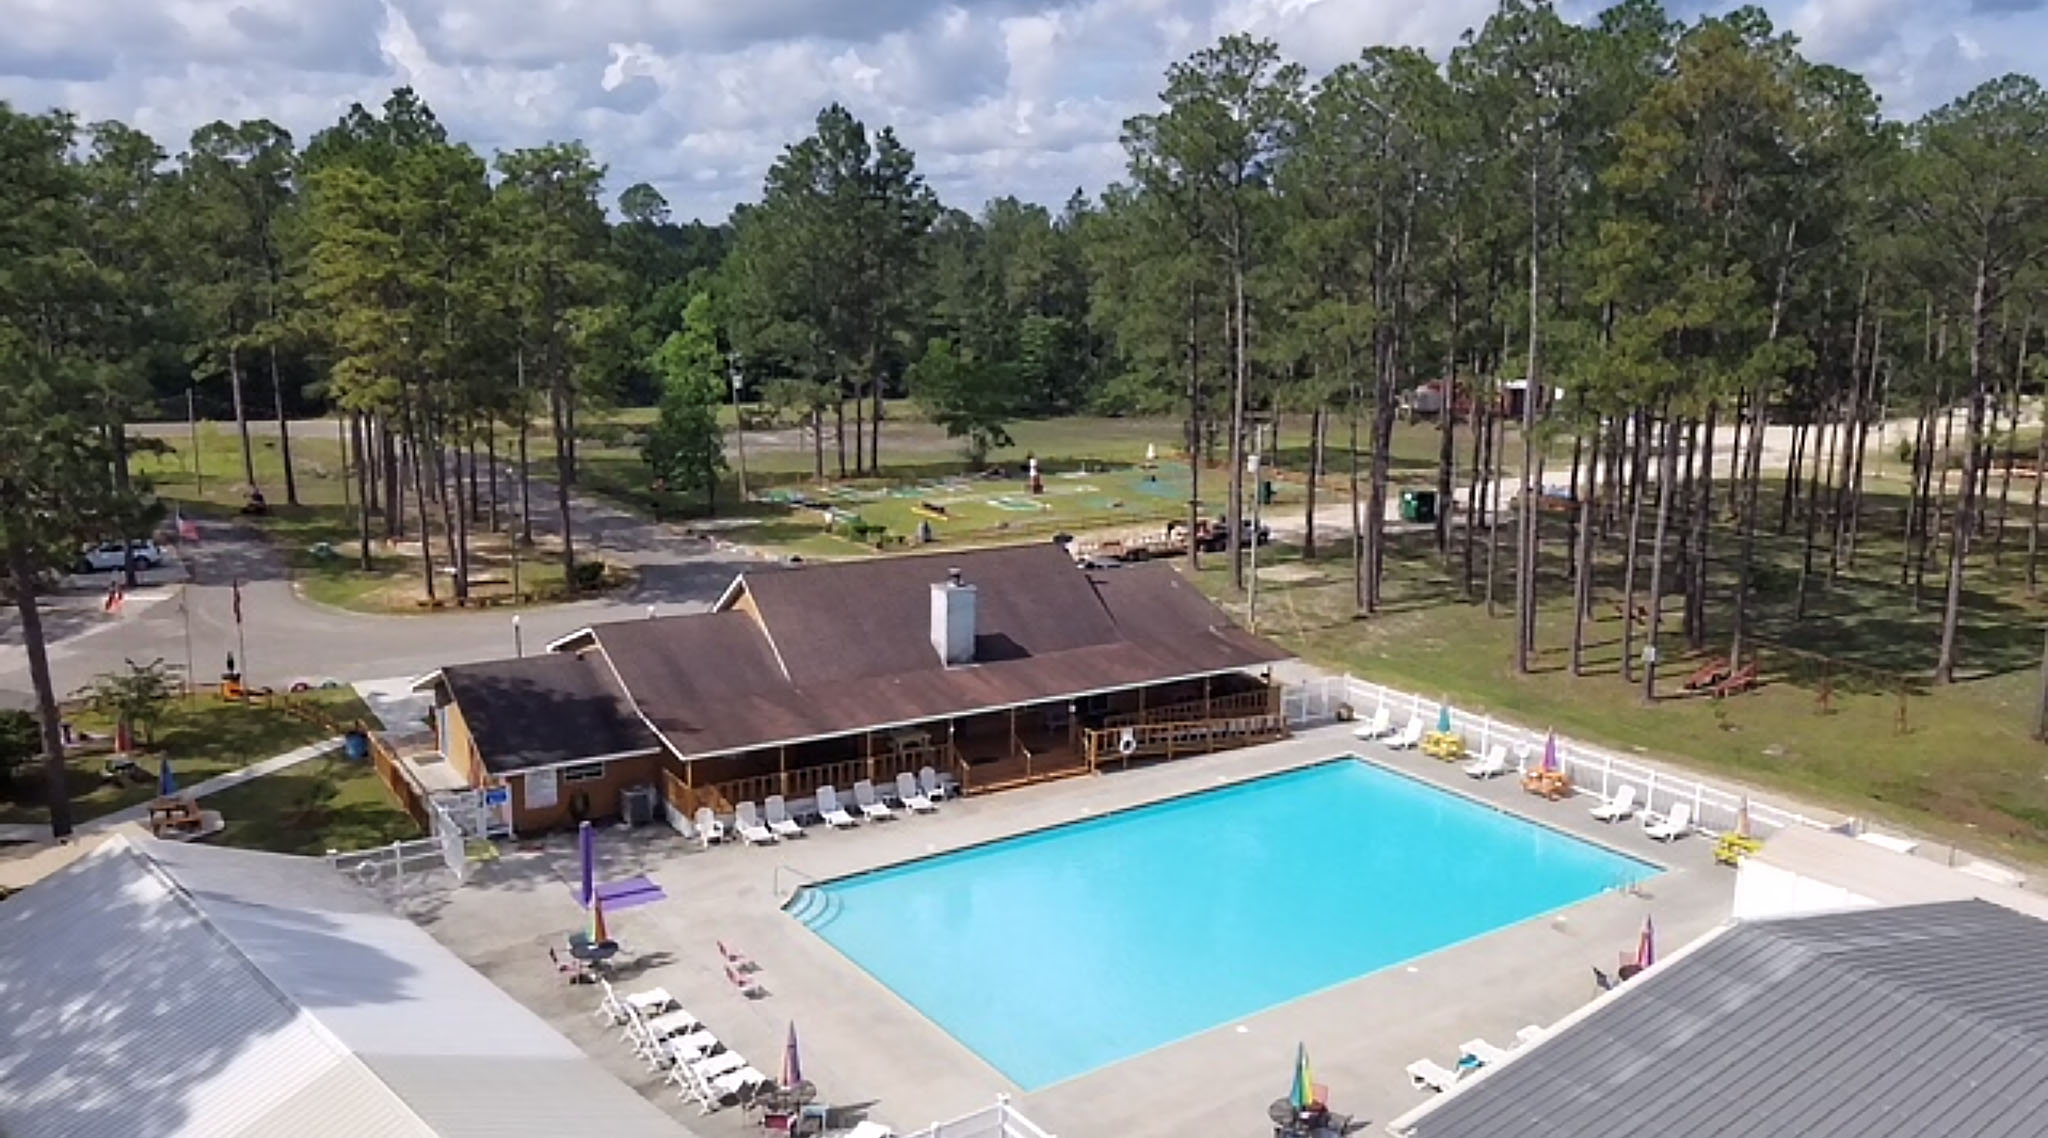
column 1251, row 616
column 739, row 423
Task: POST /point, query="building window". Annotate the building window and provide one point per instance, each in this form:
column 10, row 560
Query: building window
column 584, row 772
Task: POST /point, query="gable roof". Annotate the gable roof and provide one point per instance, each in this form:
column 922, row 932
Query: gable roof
column 1925, row 1019
column 156, row 989
column 833, row 648
column 544, row 710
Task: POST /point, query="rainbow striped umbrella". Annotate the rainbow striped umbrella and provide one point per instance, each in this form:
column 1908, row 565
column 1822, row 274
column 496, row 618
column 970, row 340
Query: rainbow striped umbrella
column 1646, row 945
column 1303, row 1093
column 792, row 1066
column 598, row 933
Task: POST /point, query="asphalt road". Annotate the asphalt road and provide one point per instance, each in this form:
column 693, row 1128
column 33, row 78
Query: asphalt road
column 285, row 638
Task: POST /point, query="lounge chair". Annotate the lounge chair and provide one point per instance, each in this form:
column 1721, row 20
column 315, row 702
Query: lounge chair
column 779, row 819
column 723, row 1063
column 1526, row 1035
column 709, row 828
column 1425, row 1075
column 1409, row 738
column 678, row 1022
column 749, row 825
column 913, row 798
column 1673, row 825
column 1617, row 808
column 735, row 1084
column 870, row 806
column 739, row 960
column 1494, row 762
column 934, row 787
column 1486, row 1054
column 829, row 809
column 870, row 1129
column 1382, row 721
column 683, row 1047
column 747, row 985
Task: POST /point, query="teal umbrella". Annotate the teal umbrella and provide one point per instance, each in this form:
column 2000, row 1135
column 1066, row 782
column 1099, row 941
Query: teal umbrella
column 1443, row 718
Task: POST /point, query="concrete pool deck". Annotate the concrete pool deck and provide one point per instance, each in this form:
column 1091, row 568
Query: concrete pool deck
column 864, row 1047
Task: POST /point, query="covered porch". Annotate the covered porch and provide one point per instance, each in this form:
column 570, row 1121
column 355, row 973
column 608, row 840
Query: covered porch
column 995, row 749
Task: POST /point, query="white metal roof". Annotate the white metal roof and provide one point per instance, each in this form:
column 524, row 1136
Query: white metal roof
column 157, row 990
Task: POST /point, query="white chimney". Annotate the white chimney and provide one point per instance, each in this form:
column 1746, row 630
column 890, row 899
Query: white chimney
column 953, row 620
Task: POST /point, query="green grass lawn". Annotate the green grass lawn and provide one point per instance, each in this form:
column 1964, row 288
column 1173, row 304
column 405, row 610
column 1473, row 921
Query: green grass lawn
column 324, row 804
column 1826, row 726
column 202, row 737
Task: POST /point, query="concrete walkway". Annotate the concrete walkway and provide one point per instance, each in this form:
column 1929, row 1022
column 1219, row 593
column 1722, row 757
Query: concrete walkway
column 140, row 811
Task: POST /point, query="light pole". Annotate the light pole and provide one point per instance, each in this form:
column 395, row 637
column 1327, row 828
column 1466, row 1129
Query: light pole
column 518, row 641
column 739, row 423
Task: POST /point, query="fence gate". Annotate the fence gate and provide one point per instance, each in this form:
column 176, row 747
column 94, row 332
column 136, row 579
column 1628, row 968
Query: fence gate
column 485, row 813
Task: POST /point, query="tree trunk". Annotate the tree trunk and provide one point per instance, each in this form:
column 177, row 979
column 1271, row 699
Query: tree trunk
column 1667, row 479
column 453, row 513
column 860, row 431
column 1239, row 369
column 491, row 456
column 558, row 412
column 1195, row 432
column 1696, row 592
column 1382, row 470
column 284, row 432
column 1822, row 460
column 875, row 420
column 2012, row 438
column 1447, row 443
column 1493, row 476
column 839, row 429
column 1795, row 463
column 1475, row 507
column 394, row 489
column 476, row 501
column 414, row 440
column 1751, row 485
column 1358, row 556
column 355, row 422
column 1966, row 500
column 1639, row 469
column 56, row 786
column 1582, row 557
column 2041, row 711
column 1315, row 469
column 241, row 416
column 1525, row 513
column 2034, row 515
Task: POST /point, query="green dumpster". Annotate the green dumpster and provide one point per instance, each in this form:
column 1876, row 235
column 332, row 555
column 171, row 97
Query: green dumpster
column 1418, row 505
column 1265, row 492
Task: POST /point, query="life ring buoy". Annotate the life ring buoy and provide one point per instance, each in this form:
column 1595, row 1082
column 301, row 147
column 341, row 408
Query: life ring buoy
column 1127, row 743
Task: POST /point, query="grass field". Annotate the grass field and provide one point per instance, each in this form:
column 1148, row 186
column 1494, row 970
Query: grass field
column 1845, row 718
column 202, row 737
column 324, row 804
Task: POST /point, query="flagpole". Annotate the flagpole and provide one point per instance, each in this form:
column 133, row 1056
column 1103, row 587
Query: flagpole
column 185, row 614
column 241, row 642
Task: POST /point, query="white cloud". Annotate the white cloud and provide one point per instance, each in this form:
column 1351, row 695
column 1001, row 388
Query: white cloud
column 698, row 96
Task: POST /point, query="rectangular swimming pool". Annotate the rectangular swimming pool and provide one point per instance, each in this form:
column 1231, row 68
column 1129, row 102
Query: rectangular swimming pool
column 1061, row 951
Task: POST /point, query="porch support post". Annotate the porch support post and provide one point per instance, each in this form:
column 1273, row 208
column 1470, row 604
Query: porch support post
column 870, row 737
column 1206, row 711
column 782, row 769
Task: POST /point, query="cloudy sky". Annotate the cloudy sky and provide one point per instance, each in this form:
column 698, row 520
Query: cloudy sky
column 697, row 96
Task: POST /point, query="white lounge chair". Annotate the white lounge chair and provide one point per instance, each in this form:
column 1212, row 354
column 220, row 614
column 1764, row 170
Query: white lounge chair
column 1410, row 736
column 723, row 1063
column 1424, row 1074
column 709, row 828
column 736, row 1083
column 650, row 1001
column 679, row 1049
column 829, row 809
column 1494, row 762
column 1382, row 721
column 1486, row 1053
column 934, row 786
column 749, row 825
column 911, row 796
column 1619, row 807
column 665, row 1025
column 779, row 820
column 870, row 1129
column 1673, row 825
column 870, row 806
column 1526, row 1035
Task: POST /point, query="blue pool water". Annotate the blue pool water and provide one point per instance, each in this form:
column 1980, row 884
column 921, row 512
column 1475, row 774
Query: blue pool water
column 1057, row 952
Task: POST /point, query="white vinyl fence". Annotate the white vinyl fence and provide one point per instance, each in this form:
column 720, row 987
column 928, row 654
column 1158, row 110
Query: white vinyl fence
column 999, row 1121
column 1592, row 770
column 394, row 864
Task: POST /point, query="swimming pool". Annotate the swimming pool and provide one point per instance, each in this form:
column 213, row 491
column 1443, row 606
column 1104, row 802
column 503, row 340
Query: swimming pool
column 1061, row 951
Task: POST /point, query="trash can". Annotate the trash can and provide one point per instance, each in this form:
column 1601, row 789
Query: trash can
column 636, row 804
column 1265, row 492
column 1418, row 505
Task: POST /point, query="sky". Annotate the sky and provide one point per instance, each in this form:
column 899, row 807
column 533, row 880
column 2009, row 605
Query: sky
column 996, row 97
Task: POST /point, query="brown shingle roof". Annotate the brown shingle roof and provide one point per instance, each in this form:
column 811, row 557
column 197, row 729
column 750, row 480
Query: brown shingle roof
column 541, row 710
column 854, row 639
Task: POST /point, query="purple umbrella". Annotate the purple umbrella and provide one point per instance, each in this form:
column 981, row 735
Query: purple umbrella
column 586, row 844
column 1550, row 751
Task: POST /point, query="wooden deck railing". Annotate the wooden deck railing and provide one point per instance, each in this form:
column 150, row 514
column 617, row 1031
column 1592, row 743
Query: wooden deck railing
column 1173, row 740
column 392, row 773
column 803, row 782
column 1263, row 701
column 1022, row 766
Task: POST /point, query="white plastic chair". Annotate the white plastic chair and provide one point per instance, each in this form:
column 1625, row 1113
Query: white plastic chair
column 1382, row 721
column 912, row 798
column 1494, row 762
column 1619, row 807
column 829, row 809
column 1673, row 825
column 779, row 819
column 749, row 825
column 934, row 787
column 709, row 828
column 870, row 806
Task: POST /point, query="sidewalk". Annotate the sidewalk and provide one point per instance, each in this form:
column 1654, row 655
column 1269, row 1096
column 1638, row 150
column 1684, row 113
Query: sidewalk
column 140, row 811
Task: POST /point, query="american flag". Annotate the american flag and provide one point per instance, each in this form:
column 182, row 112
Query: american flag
column 188, row 530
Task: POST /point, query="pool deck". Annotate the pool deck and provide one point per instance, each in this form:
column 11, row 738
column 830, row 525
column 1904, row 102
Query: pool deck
column 865, row 1048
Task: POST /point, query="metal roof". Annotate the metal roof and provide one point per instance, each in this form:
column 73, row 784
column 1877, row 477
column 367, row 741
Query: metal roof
column 158, row 990
column 545, row 710
column 1917, row 1020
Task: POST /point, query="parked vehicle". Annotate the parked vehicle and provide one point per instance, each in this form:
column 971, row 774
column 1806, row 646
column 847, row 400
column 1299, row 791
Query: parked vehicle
column 110, row 556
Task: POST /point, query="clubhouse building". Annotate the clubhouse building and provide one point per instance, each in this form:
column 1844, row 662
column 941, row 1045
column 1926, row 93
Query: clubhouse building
column 993, row 667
